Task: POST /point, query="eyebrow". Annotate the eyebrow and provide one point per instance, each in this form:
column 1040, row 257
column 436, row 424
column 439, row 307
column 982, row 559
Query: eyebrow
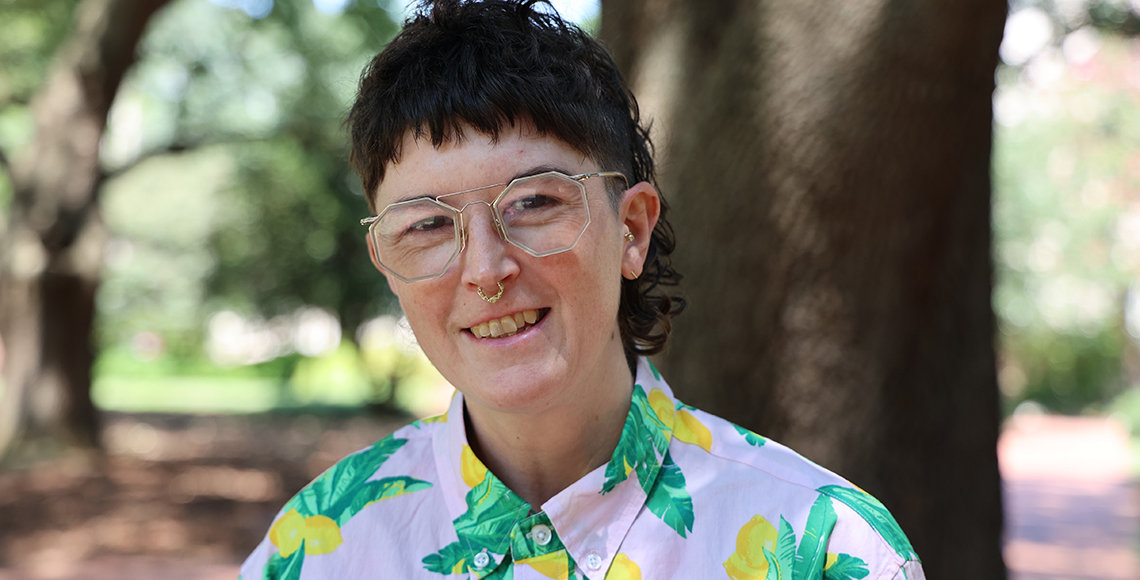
column 525, row 173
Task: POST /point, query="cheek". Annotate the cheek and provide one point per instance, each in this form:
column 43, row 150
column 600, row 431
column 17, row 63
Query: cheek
column 421, row 306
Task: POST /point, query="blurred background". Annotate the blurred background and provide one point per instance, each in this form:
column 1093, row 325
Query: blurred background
column 191, row 328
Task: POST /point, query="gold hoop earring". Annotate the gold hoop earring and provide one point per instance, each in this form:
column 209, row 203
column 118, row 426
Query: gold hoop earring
column 491, row 299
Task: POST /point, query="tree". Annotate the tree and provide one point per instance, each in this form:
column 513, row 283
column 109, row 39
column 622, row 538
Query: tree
column 53, row 239
column 828, row 166
column 268, row 89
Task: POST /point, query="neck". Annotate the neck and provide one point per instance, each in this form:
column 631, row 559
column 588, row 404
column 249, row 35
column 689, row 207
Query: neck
column 539, row 455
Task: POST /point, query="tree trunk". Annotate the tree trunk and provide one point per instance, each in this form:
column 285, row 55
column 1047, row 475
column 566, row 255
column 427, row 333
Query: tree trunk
column 829, row 170
column 51, row 254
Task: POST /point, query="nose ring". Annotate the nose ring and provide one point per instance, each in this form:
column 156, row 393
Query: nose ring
column 491, row 299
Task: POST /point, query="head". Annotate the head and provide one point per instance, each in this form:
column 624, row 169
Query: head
column 492, row 67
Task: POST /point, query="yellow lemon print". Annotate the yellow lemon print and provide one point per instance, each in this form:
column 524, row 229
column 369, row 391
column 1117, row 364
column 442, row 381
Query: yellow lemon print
column 624, row 569
column 690, row 430
column 830, row 561
column 553, row 565
column 748, row 561
column 660, row 403
column 473, row 470
column 322, row 535
column 288, row 532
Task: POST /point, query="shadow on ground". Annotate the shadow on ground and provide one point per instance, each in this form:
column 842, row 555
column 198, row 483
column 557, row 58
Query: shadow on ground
column 187, row 497
column 175, row 497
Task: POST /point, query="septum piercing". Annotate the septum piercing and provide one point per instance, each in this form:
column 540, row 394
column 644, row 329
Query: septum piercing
column 491, row 299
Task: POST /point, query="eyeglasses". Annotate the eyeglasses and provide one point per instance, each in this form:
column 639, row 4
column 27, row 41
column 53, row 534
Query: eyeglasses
column 543, row 215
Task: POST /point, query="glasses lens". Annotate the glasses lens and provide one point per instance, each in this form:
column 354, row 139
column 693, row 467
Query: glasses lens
column 544, row 214
column 416, row 240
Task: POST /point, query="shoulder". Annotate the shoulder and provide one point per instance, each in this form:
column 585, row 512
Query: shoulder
column 311, row 523
column 763, row 485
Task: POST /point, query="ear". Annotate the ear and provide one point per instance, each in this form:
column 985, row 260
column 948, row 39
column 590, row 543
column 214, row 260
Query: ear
column 376, row 264
column 639, row 210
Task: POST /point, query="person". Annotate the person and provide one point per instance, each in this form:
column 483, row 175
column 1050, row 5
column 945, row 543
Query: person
column 517, row 220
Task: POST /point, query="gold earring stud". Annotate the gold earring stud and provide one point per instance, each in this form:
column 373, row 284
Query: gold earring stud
column 629, row 237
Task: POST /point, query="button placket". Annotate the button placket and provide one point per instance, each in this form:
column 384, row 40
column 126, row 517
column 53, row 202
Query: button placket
column 481, row 560
column 593, row 561
column 541, row 534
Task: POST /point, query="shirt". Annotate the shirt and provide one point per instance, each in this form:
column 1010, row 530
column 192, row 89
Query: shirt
column 685, row 495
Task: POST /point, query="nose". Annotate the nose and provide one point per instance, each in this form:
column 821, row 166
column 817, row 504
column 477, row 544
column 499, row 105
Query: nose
column 487, row 258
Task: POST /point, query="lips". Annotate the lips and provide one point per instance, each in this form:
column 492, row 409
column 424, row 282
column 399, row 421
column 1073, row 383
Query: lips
column 508, row 325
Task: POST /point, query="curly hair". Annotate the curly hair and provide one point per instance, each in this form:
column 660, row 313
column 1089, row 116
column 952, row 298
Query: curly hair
column 493, row 64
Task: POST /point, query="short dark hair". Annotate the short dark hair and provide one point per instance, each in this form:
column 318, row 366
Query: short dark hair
column 494, row 64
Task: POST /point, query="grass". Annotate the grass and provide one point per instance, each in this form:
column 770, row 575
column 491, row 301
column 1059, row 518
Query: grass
column 188, row 394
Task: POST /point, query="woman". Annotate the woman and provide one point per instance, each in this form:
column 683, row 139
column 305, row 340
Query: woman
column 517, row 222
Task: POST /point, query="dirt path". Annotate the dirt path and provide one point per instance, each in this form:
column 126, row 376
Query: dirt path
column 185, row 498
column 1072, row 501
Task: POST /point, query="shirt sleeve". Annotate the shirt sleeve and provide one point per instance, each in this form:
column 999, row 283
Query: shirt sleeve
column 910, row 570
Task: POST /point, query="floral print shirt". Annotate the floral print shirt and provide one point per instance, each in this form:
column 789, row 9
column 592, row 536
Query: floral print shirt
column 685, row 495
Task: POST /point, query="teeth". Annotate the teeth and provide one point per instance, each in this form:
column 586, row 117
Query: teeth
column 505, row 326
column 509, row 325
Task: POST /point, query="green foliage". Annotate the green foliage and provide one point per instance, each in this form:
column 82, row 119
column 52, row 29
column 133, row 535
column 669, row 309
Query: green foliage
column 1068, row 373
column 231, row 186
column 1065, row 224
column 33, row 30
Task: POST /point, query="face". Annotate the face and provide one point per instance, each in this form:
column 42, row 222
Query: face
column 572, row 351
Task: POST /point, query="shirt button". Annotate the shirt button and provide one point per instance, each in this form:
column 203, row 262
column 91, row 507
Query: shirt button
column 593, row 561
column 481, row 560
column 541, row 534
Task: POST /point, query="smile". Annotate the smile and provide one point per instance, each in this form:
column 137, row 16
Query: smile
column 508, row 325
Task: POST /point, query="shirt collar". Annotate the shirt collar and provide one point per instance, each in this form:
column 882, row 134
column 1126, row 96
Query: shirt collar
column 590, row 518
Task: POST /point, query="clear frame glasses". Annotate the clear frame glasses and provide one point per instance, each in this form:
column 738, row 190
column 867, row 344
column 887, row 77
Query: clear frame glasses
column 544, row 214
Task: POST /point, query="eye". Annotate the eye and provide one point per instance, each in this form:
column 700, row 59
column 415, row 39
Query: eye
column 532, row 202
column 429, row 224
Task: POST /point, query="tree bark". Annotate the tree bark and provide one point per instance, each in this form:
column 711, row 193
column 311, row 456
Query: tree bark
column 51, row 254
column 829, row 170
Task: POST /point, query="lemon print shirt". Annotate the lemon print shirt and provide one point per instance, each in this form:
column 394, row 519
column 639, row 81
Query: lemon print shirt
column 686, row 495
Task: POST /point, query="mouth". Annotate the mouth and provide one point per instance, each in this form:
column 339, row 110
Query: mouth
column 509, row 325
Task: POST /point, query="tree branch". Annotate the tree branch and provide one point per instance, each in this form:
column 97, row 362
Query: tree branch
column 175, row 147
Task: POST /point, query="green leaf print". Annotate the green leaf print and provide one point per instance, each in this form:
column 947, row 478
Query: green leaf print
column 750, row 437
column 846, row 567
column 670, row 500
column 774, row 570
column 450, row 560
column 812, row 552
column 335, row 486
column 786, row 546
column 492, row 511
column 371, row 492
column 644, row 440
column 877, row 516
column 278, row 568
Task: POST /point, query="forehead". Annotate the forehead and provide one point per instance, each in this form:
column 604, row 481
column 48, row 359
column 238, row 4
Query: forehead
column 474, row 160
